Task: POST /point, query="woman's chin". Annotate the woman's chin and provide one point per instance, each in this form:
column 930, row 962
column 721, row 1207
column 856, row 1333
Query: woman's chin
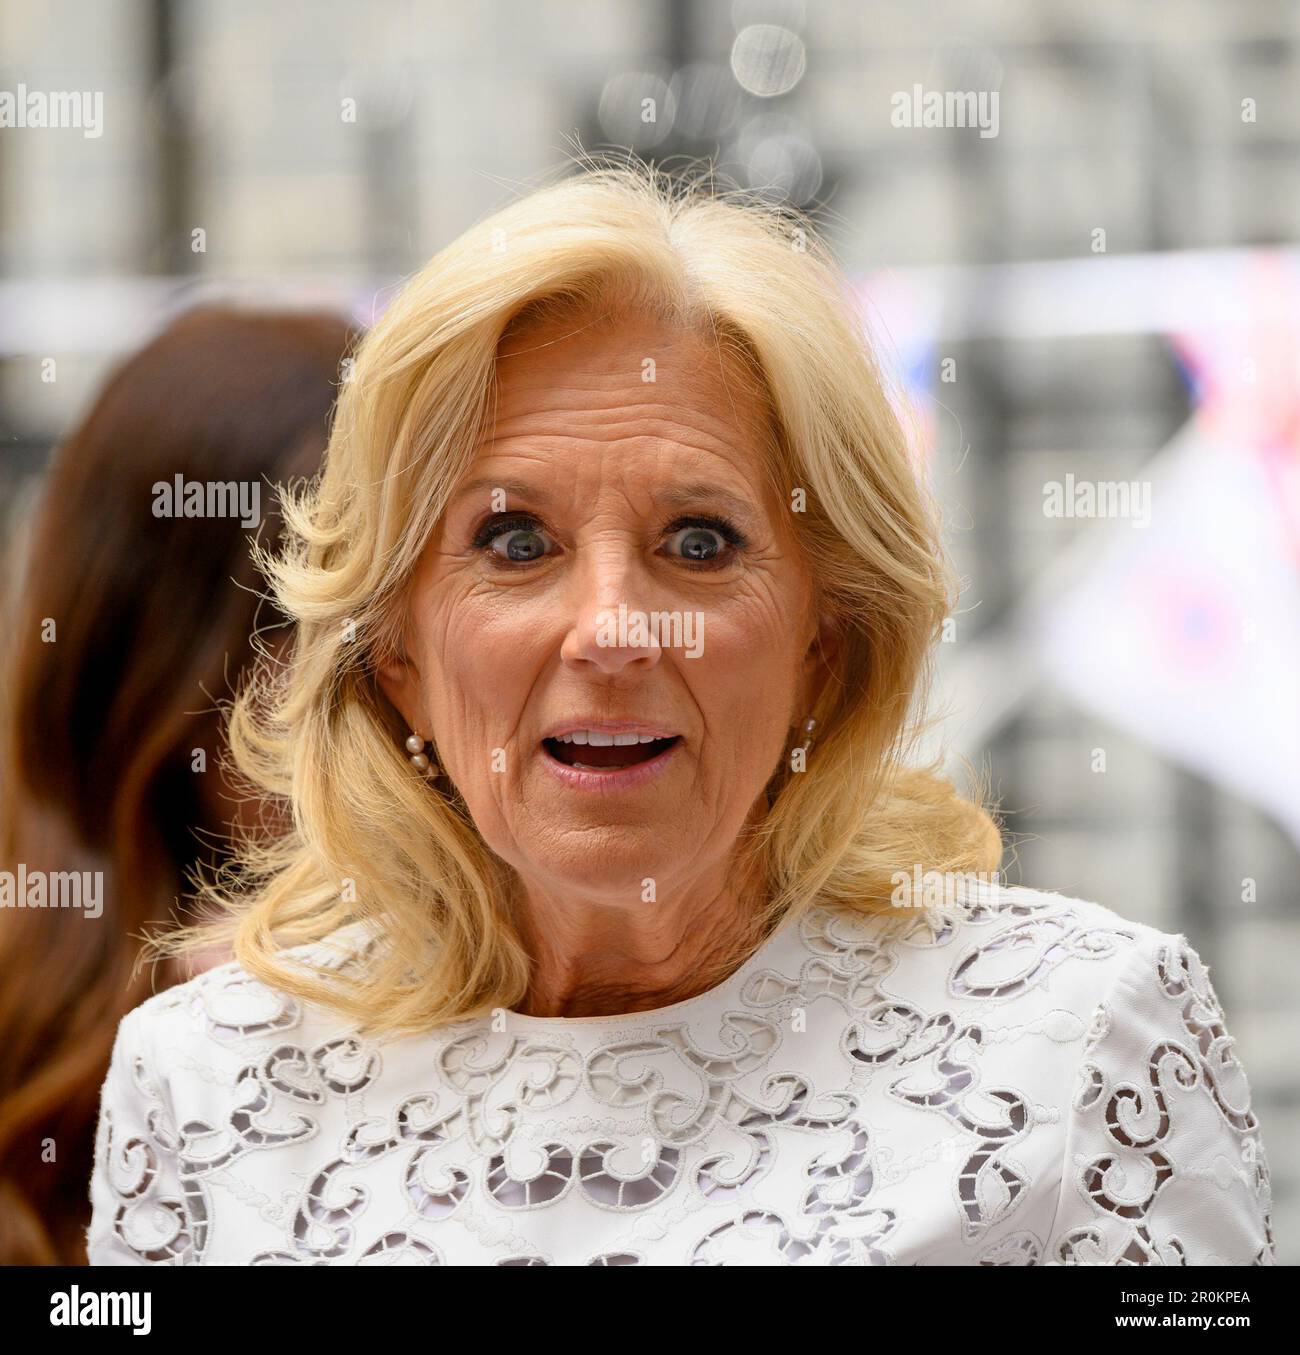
column 629, row 871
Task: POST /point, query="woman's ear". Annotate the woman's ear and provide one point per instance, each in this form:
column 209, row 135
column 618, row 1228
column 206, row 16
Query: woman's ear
column 399, row 680
column 820, row 658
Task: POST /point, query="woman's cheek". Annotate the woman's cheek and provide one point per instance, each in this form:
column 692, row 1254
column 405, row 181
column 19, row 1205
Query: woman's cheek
column 484, row 673
column 750, row 652
column 478, row 636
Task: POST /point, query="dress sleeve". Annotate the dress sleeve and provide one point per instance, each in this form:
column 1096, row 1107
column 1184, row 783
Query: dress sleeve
column 1164, row 1164
column 138, row 1214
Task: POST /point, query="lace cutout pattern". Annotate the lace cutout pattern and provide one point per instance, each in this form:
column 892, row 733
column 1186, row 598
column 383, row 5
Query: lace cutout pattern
column 1021, row 1081
column 1176, row 1120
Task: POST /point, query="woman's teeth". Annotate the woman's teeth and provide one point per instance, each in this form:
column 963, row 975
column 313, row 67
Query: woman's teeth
column 599, row 739
column 604, row 752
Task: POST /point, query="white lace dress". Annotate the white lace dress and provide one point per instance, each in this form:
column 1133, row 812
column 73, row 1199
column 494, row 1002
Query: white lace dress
column 1036, row 1082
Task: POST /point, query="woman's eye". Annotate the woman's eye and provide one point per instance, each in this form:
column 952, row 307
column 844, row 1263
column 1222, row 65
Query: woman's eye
column 522, row 541
column 519, row 544
column 513, row 540
column 699, row 545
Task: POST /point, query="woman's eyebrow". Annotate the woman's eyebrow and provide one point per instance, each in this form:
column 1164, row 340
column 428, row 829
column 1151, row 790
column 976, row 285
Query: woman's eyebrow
column 488, row 485
column 697, row 494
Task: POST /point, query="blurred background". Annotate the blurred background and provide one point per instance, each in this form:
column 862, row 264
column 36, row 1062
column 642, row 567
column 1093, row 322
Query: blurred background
column 1074, row 231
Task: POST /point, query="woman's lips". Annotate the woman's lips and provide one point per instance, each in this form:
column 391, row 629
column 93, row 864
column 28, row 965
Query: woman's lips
column 607, row 766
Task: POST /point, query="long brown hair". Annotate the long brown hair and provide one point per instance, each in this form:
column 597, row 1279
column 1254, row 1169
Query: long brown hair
column 125, row 631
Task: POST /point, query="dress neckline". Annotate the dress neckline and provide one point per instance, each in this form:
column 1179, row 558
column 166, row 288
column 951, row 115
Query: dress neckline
column 675, row 1011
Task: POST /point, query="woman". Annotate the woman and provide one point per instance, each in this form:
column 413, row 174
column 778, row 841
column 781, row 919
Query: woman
column 127, row 626
column 588, row 947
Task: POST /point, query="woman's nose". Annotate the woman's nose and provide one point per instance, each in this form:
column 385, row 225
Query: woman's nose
column 611, row 624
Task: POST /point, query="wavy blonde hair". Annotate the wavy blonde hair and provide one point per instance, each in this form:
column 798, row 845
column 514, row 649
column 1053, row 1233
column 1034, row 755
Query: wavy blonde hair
column 371, row 840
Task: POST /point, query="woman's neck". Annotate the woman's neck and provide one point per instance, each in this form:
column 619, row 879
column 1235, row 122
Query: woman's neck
column 602, row 958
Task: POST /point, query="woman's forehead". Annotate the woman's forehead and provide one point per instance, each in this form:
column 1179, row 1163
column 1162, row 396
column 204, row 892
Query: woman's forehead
column 630, row 367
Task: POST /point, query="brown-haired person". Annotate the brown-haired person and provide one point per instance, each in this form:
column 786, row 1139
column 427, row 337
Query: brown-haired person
column 131, row 616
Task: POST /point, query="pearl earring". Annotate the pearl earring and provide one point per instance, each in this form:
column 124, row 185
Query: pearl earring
column 809, row 725
column 419, row 758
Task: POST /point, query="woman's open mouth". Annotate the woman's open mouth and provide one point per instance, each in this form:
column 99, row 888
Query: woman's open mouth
column 594, row 751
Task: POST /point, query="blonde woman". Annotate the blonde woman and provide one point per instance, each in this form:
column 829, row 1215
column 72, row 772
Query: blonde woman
column 598, row 939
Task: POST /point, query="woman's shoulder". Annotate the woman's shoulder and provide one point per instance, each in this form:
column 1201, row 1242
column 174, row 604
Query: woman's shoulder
column 993, row 944
column 1153, row 1034
column 983, row 908
column 227, row 1006
column 994, row 901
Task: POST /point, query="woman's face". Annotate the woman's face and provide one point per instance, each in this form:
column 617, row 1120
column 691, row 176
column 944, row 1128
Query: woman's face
column 613, row 631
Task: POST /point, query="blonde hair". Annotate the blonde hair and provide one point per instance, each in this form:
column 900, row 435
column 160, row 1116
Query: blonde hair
column 371, row 840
